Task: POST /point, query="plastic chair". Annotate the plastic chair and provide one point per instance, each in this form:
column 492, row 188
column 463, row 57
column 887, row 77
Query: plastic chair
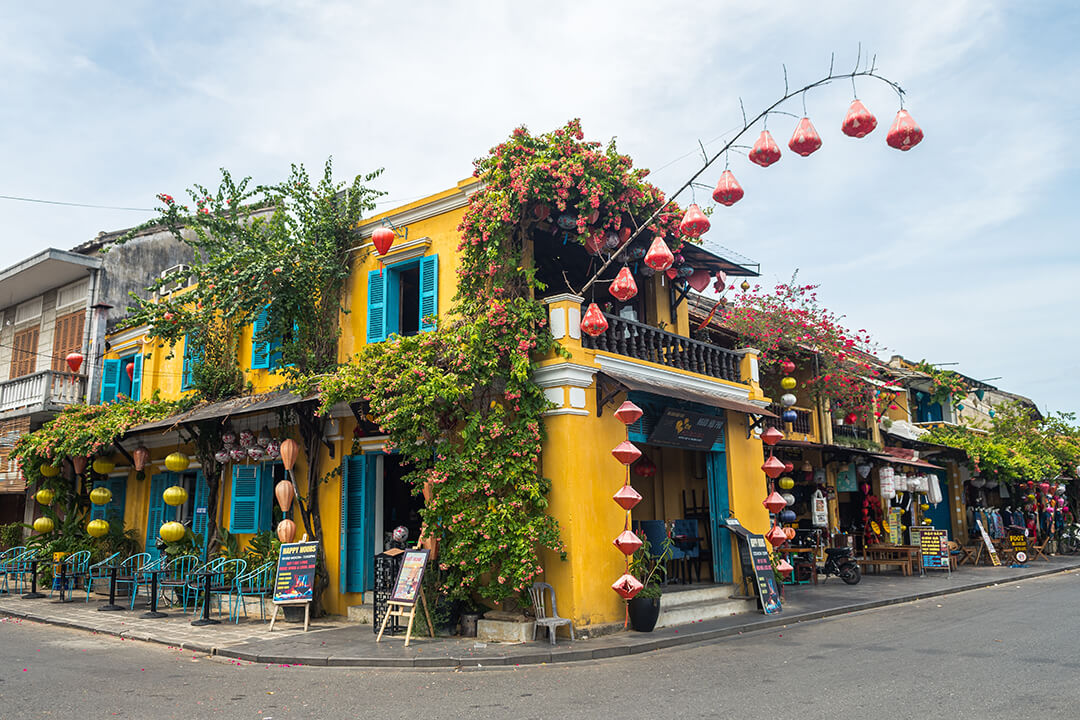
column 542, row 618
column 127, row 573
column 176, row 576
column 253, row 583
column 75, row 566
column 98, row 571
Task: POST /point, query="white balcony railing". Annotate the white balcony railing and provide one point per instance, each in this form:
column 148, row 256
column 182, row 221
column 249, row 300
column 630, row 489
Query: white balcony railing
column 43, row 390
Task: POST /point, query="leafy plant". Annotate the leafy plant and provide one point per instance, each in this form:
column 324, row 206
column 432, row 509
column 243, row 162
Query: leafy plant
column 263, row 548
column 190, row 544
column 11, row 535
column 651, row 569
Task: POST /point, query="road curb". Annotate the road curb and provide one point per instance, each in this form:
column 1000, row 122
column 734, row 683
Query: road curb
column 533, row 656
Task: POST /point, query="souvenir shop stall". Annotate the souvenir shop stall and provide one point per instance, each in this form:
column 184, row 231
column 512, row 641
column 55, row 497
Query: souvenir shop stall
column 803, row 486
column 1038, row 509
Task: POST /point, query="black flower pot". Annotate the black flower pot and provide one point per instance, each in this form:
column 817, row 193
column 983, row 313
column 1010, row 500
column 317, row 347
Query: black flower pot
column 644, row 612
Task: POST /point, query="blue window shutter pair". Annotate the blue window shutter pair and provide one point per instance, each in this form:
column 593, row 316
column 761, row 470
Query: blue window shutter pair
column 191, row 357
column 136, row 377
column 376, row 307
column 110, row 381
column 357, row 523
column 245, row 507
column 380, row 301
column 155, row 516
column 260, row 349
column 429, row 291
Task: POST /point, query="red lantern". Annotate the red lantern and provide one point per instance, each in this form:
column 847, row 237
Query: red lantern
column 593, row 322
column 859, row 122
column 721, row 281
column 626, row 497
column 774, row 503
column 594, row 242
column 130, row 368
column 74, row 361
column 789, row 466
column 694, row 223
column 771, row 436
column 850, row 418
column 645, row 467
column 541, row 211
column 728, row 190
column 773, row 467
column 790, row 532
column 627, row 542
column 627, row 586
column 904, row 133
column 776, row 536
column 624, row 234
column 623, row 286
column 628, row 413
column 788, row 367
column 659, row 257
column 626, row 452
column 805, row 139
column 784, row 567
column 382, row 239
column 765, row 151
column 699, row 280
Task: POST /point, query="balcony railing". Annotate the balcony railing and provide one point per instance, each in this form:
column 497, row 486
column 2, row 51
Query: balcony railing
column 852, row 431
column 642, row 342
column 803, row 425
column 44, row 390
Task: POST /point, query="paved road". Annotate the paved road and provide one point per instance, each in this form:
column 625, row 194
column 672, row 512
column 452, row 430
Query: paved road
column 1005, row 652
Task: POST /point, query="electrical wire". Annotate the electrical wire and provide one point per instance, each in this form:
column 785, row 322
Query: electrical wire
column 73, row 204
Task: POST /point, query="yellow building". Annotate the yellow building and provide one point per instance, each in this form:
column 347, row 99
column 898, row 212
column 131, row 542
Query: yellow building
column 698, row 477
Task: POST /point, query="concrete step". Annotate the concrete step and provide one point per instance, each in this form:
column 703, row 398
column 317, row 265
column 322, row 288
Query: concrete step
column 690, row 606
column 361, row 614
column 673, row 598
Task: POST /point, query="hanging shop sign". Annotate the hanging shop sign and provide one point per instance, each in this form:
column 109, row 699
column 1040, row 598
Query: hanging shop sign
column 895, row 524
column 294, row 581
column 687, row 429
column 755, row 561
column 845, row 480
column 989, row 545
column 934, row 546
column 1020, row 549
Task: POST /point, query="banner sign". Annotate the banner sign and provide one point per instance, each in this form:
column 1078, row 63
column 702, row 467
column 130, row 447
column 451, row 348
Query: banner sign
column 896, row 525
column 934, row 545
column 410, row 577
column 295, row 579
column 756, row 563
column 686, row 429
column 1020, row 549
column 989, row 545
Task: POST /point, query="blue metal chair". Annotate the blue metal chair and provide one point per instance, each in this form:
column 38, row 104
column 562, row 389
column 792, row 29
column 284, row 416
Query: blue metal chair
column 73, row 567
column 221, row 583
column 142, row 576
column 689, row 549
column 257, row 583
column 195, row 581
column 98, row 571
column 177, row 575
column 128, row 571
column 18, row 566
column 7, row 563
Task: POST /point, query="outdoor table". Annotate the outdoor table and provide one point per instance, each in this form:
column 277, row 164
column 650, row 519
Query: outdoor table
column 793, row 554
column 111, row 605
column 33, row 594
column 153, row 612
column 205, row 619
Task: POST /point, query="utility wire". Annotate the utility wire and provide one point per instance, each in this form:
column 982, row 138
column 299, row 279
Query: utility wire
column 73, row 204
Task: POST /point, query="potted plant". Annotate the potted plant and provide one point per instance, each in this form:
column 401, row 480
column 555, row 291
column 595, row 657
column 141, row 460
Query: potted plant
column 651, row 570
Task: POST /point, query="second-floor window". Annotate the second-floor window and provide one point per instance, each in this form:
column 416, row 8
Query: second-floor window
column 191, row 357
column 24, row 348
column 401, row 296
column 67, row 339
column 122, row 377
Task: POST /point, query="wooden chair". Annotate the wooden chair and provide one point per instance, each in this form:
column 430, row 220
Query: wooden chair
column 1039, row 548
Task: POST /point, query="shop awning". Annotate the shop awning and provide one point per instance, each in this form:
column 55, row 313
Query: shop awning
column 904, row 456
column 233, row 407
column 684, row 393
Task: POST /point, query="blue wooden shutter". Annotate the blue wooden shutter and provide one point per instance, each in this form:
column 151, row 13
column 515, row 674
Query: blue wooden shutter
column 190, row 358
column 429, row 291
column 201, row 518
column 376, row 306
column 719, row 509
column 155, row 516
column 136, row 378
column 266, row 496
column 245, row 508
column 357, row 522
column 260, row 349
column 110, row 381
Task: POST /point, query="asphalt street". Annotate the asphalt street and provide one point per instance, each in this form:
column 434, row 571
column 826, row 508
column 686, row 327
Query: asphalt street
column 1009, row 651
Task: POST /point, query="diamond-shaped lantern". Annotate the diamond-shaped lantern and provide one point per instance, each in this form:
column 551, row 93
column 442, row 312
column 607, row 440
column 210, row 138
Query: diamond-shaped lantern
column 694, row 223
column 623, row 286
column 627, row 586
column 784, row 567
column 775, row 502
column 904, row 133
column 659, row 257
column 593, row 321
column 728, row 190
column 626, row 452
column 776, row 536
column 628, row 413
column 626, row 497
column 771, row 436
column 805, row 139
column 627, row 542
column 859, row 122
column 773, row 467
column 765, row 151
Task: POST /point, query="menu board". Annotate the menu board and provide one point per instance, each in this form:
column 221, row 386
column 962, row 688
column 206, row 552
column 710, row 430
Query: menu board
column 989, row 545
column 410, row 576
column 895, row 525
column 686, row 429
column 756, row 563
column 934, row 546
column 295, row 579
column 1019, row 545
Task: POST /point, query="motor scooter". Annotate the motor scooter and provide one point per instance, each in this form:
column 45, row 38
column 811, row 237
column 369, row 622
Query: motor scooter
column 841, row 562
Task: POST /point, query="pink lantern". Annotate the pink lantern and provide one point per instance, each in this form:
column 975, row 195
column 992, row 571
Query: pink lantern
column 721, row 281
column 1044, row 486
column 626, row 452
column 382, row 239
column 628, row 413
column 771, row 436
column 627, row 542
column 765, row 151
column 773, row 467
column 626, row 497
column 699, row 280
column 775, row 502
column 784, row 567
column 776, row 536
column 859, row 122
column 789, row 466
column 593, row 321
column 694, row 223
column 728, row 190
column 805, row 140
column 787, row 366
column 74, row 361
column 623, row 286
column 627, row 586
column 659, row 257
column 904, row 133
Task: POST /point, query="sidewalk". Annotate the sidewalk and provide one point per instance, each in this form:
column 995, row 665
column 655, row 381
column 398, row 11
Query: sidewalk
column 343, row 644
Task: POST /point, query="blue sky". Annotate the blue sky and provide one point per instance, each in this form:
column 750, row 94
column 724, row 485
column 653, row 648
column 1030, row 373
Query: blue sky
column 961, row 250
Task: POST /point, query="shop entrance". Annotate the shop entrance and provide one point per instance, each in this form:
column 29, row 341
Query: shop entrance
column 940, row 515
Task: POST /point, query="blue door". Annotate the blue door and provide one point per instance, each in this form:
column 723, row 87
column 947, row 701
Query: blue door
column 940, row 515
column 358, row 522
column 155, row 517
column 719, row 508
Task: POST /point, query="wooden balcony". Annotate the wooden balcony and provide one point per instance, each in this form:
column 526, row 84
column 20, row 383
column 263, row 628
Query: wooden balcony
column 643, row 342
column 41, row 392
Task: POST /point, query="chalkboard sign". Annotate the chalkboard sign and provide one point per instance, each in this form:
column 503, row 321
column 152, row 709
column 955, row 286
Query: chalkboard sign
column 934, row 546
column 410, row 576
column 686, row 429
column 755, row 561
column 295, row 579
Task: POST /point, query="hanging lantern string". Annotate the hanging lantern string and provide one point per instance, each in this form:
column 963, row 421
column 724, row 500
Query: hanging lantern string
column 804, row 101
column 870, row 72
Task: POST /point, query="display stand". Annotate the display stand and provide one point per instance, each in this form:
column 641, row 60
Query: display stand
column 406, row 610
column 307, row 612
column 409, row 585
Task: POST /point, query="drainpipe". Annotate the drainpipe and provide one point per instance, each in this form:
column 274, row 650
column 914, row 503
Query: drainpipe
column 95, row 337
column 88, row 343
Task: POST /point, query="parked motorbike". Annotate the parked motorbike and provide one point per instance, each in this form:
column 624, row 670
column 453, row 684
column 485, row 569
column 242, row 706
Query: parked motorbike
column 841, row 562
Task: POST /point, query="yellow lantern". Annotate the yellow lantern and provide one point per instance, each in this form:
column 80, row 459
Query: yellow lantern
column 103, row 466
column 924, row 507
column 45, row 496
column 48, row 470
column 100, row 495
column 174, row 495
column 786, row 483
column 44, row 525
column 788, row 383
column 97, row 528
column 172, row 531
column 177, row 462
